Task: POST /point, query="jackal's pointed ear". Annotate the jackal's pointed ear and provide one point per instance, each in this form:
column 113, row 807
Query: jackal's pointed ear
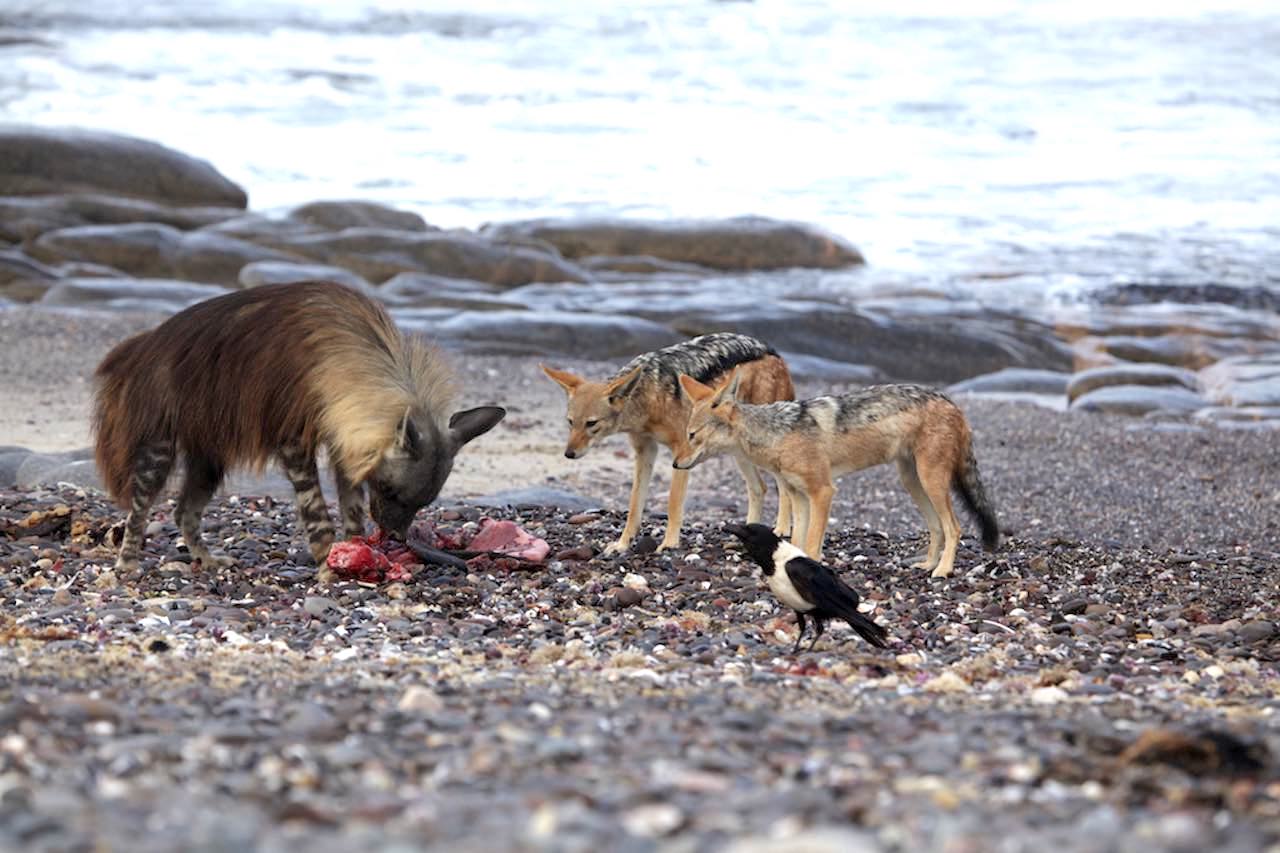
column 694, row 389
column 619, row 389
column 408, row 438
column 728, row 392
column 566, row 380
column 472, row 423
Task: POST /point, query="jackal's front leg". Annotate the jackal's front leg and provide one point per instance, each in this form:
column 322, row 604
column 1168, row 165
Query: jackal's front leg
column 646, row 452
column 782, row 526
column 675, row 509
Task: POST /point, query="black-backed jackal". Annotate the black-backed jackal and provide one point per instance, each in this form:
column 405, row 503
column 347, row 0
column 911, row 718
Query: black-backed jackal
column 808, row 444
column 644, row 400
column 280, row 370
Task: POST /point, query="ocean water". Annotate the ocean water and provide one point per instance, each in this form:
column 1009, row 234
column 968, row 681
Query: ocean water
column 1004, row 149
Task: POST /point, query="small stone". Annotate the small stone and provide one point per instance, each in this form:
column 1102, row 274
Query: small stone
column 636, row 582
column 1048, row 695
column 419, row 699
column 584, row 518
column 626, row 597
column 947, row 682
column 653, row 820
column 644, row 545
column 1256, row 632
column 580, row 553
column 321, row 607
column 1075, row 606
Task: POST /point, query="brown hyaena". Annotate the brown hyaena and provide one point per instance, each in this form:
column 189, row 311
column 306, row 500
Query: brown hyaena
column 280, row 370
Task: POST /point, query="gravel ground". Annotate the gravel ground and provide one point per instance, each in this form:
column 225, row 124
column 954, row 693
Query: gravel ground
column 1105, row 681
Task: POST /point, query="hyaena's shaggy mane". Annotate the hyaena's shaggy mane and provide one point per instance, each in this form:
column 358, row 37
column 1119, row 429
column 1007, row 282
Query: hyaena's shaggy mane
column 234, row 378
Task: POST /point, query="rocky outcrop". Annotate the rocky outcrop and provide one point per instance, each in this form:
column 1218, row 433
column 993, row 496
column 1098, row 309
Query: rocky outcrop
column 743, row 243
column 338, row 215
column 151, row 250
column 42, row 160
column 378, row 254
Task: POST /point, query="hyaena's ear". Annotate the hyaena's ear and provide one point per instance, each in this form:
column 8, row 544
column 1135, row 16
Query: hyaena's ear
column 694, row 389
column 566, row 380
column 408, row 438
column 728, row 392
column 621, row 388
column 470, row 423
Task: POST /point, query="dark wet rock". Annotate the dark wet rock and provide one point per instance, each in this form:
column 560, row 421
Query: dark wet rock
column 39, row 468
column 380, row 253
column 337, row 215
column 1156, row 375
column 537, row 496
column 818, row 369
column 1256, row 632
column 259, row 273
column 601, row 336
column 435, row 291
column 11, row 459
column 744, row 243
column 1140, row 400
column 1251, row 380
column 155, row 251
column 262, row 229
column 129, row 294
column 43, row 160
column 921, row 351
column 24, row 279
column 1015, row 380
column 626, row 267
column 1188, row 350
column 1136, row 293
column 27, row 217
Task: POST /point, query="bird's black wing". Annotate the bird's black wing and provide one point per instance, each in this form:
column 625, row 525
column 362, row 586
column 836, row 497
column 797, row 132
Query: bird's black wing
column 822, row 586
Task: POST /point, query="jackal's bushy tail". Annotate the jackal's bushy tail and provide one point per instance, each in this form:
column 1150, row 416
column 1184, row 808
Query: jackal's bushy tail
column 974, row 495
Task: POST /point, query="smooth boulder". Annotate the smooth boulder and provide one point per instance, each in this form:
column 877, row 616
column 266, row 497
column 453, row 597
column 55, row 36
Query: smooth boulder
column 259, row 273
column 26, row 217
column 339, row 215
column 44, row 160
column 1130, row 374
column 1140, row 400
column 741, row 243
column 602, row 336
column 156, row 251
column 378, row 254
column 1015, row 380
column 129, row 294
column 926, row 350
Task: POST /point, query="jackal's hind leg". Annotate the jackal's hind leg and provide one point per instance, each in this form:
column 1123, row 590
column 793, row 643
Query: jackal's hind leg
column 300, row 467
column 151, row 466
column 936, row 481
column 911, row 481
column 202, row 480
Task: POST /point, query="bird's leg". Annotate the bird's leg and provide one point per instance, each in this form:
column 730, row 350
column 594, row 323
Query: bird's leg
column 820, row 626
column 803, row 624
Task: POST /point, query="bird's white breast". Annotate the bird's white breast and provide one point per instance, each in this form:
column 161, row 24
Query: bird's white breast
column 780, row 581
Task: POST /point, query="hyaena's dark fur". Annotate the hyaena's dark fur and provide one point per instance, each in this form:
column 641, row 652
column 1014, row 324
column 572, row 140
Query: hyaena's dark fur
column 280, row 370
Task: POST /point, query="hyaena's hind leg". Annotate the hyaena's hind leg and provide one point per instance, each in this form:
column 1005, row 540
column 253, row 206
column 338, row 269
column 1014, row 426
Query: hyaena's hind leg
column 300, row 468
column 350, row 503
column 203, row 478
column 151, row 466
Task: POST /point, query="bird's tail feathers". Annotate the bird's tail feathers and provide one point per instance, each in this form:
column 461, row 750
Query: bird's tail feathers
column 869, row 631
